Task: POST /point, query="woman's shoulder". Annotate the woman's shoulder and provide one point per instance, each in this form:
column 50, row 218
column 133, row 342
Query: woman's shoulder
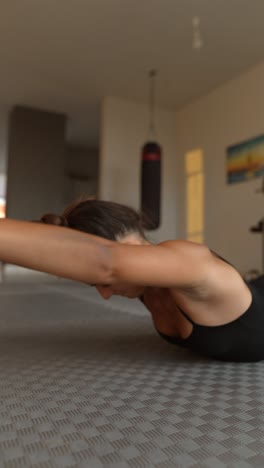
column 189, row 248
column 169, row 263
column 182, row 243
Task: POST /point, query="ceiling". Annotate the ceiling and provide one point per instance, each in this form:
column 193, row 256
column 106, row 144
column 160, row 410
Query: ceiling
column 65, row 55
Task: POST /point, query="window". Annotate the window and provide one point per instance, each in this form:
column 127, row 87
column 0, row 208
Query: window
column 194, row 195
column 2, row 195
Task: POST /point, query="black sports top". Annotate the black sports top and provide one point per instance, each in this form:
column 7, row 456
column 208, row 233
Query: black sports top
column 239, row 340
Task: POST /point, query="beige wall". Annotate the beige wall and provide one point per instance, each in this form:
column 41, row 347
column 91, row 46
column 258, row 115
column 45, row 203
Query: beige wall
column 124, row 131
column 230, row 114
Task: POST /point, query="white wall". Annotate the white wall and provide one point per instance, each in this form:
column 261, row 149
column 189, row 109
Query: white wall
column 230, row 114
column 124, row 131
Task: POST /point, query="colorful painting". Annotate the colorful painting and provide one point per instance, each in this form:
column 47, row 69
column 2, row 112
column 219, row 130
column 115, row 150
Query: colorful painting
column 245, row 160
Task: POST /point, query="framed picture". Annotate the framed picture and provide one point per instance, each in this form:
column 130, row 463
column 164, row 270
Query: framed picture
column 245, row 160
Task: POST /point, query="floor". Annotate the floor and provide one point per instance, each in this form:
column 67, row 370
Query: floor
column 88, row 383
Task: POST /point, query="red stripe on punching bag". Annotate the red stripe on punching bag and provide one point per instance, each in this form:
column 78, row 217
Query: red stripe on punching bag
column 151, row 157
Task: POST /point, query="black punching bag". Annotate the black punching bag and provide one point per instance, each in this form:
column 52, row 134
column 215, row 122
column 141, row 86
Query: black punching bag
column 151, row 184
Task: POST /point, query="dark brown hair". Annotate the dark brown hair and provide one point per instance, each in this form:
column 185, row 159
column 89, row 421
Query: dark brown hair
column 102, row 218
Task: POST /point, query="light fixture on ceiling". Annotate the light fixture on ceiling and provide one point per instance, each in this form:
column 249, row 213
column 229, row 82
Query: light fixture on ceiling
column 197, row 42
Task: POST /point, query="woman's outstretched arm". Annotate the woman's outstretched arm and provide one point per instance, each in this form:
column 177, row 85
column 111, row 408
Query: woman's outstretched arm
column 56, row 250
column 90, row 259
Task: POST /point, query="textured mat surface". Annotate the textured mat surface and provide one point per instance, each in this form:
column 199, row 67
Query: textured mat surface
column 84, row 383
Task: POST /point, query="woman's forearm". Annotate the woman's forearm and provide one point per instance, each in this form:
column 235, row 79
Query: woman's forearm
column 56, row 250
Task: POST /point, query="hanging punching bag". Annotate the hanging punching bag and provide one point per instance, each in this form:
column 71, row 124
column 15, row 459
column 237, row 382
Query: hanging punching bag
column 151, row 184
column 151, row 168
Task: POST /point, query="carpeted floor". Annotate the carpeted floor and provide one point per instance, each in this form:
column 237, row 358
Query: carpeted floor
column 88, row 383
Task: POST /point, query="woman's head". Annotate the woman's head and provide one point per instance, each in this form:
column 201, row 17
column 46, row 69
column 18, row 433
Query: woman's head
column 109, row 220
column 106, row 219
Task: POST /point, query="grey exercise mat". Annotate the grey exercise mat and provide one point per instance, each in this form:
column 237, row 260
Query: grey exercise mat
column 86, row 383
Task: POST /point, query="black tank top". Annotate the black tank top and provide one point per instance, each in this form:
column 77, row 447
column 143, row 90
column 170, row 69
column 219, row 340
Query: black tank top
column 239, row 340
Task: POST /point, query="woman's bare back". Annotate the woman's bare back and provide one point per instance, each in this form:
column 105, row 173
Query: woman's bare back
column 222, row 298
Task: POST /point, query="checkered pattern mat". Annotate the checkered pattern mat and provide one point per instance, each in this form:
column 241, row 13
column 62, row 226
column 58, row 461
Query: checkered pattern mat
column 85, row 383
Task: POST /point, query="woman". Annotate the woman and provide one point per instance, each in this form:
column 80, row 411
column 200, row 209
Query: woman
column 196, row 299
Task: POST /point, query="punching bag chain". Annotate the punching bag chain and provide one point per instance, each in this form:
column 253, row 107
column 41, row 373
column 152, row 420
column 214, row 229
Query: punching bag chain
column 152, row 76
